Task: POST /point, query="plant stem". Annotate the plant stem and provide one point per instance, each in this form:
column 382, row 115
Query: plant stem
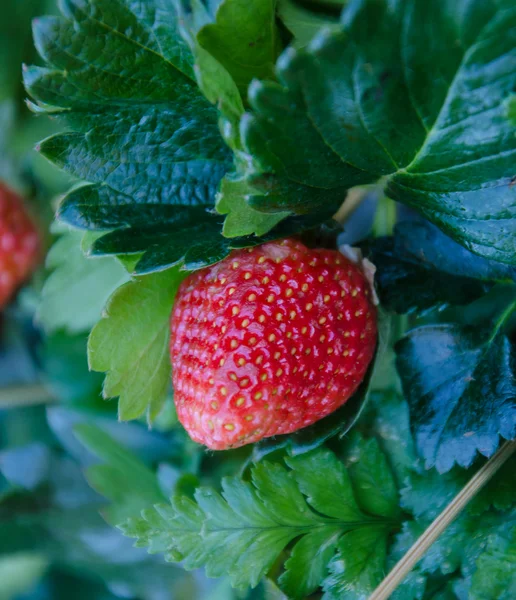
column 354, row 198
column 17, row 396
column 434, row 530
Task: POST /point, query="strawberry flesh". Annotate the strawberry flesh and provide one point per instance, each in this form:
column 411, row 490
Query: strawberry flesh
column 269, row 341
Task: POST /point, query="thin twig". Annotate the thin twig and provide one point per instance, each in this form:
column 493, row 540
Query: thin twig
column 17, row 396
column 416, row 552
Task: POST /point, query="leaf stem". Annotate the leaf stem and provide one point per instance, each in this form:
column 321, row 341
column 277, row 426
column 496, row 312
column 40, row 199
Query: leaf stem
column 17, row 396
column 434, row 530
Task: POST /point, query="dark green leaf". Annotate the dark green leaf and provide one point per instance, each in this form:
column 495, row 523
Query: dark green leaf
column 241, row 532
column 141, row 132
column 460, row 384
column 373, row 481
column 420, row 267
column 400, row 93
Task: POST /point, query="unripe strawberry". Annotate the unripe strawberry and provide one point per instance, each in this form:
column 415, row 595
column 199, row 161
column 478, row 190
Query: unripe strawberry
column 268, row 341
column 19, row 244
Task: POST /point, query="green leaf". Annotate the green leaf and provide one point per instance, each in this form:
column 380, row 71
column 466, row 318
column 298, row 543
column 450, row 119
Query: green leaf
column 76, row 291
column 244, row 39
column 359, row 566
column 373, row 481
column 304, row 24
column 141, row 133
column 460, row 384
column 495, row 577
column 420, row 268
column 390, row 421
column 131, row 344
column 242, row 532
column 122, row 478
column 354, row 107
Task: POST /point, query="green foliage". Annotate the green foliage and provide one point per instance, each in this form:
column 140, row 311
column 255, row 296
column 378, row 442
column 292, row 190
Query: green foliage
column 244, row 40
column 76, row 291
column 303, row 23
column 459, row 382
column 419, row 268
column 148, row 142
column 408, row 113
column 495, row 576
column 131, row 344
column 242, row 532
column 122, row 478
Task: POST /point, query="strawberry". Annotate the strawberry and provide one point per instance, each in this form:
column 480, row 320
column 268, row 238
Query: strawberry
column 19, row 243
column 268, row 341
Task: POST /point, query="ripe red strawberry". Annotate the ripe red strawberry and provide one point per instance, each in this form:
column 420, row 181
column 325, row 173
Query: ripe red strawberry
column 19, row 243
column 268, row 341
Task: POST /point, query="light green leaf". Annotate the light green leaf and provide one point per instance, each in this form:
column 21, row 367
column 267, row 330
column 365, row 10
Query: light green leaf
column 244, row 39
column 242, row 532
column 312, row 471
column 76, row 291
column 303, row 23
column 122, row 478
column 241, row 218
column 131, row 343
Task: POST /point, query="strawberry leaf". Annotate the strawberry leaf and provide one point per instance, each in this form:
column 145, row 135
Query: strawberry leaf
column 131, row 344
column 244, row 39
column 347, row 112
column 142, row 134
column 122, row 478
column 420, row 268
column 243, row 531
column 76, row 291
column 460, row 384
column 495, row 575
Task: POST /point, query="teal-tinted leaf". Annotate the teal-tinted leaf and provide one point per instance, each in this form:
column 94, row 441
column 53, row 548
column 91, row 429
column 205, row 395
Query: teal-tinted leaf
column 142, row 134
column 242, row 532
column 131, row 344
column 420, row 267
column 76, row 291
column 355, row 107
column 244, row 39
column 390, row 421
column 20, row 572
column 122, row 478
column 495, row 576
column 460, row 384
column 359, row 565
